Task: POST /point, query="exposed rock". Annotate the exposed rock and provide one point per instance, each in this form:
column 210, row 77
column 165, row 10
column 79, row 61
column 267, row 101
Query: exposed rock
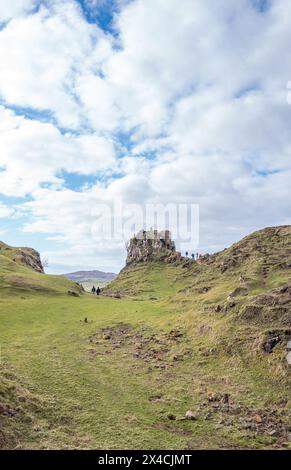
column 190, row 415
column 25, row 256
column 152, row 245
column 271, row 343
column 30, row 258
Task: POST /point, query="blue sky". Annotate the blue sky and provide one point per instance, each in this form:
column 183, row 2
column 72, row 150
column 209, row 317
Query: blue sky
column 141, row 102
column 100, row 12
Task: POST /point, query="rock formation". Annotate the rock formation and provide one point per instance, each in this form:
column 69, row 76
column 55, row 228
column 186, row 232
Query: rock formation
column 25, row 256
column 151, row 245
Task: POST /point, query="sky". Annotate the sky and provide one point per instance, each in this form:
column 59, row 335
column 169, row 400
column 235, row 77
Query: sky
column 141, row 102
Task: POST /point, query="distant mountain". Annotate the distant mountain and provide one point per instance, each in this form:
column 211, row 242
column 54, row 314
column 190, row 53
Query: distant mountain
column 81, row 276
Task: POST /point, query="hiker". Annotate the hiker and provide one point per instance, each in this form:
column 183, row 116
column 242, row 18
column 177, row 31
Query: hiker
column 98, row 290
column 93, row 290
column 187, row 253
column 193, row 256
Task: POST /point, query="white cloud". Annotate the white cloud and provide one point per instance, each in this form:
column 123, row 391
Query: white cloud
column 97, row 96
column 10, row 9
column 5, row 211
column 47, row 52
column 33, row 153
column 200, row 89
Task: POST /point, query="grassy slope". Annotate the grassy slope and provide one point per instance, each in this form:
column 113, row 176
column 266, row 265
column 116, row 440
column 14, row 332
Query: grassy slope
column 66, row 384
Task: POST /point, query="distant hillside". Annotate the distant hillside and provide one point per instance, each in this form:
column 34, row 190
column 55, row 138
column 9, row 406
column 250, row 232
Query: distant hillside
column 81, row 276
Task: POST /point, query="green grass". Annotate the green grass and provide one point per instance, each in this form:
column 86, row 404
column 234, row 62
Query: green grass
column 70, row 387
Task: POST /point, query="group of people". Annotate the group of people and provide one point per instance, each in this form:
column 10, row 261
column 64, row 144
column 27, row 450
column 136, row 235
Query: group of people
column 193, row 255
column 95, row 290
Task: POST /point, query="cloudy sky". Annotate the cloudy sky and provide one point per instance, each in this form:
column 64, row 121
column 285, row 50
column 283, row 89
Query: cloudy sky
column 141, row 101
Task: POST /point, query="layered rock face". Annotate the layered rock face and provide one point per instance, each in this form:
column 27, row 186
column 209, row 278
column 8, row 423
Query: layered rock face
column 30, row 258
column 25, row 256
column 151, row 245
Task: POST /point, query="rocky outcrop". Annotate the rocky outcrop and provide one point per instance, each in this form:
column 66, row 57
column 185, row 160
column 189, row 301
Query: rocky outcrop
column 30, row 258
column 151, row 245
column 24, row 256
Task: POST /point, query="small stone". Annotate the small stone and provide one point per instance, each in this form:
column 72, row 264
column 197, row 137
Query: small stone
column 106, row 336
column 258, row 419
column 171, row 417
column 190, row 415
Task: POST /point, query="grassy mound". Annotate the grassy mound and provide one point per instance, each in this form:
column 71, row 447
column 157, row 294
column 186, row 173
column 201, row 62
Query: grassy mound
column 17, row 279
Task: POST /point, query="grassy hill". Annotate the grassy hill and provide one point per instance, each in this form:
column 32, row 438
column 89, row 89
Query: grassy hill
column 167, row 338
